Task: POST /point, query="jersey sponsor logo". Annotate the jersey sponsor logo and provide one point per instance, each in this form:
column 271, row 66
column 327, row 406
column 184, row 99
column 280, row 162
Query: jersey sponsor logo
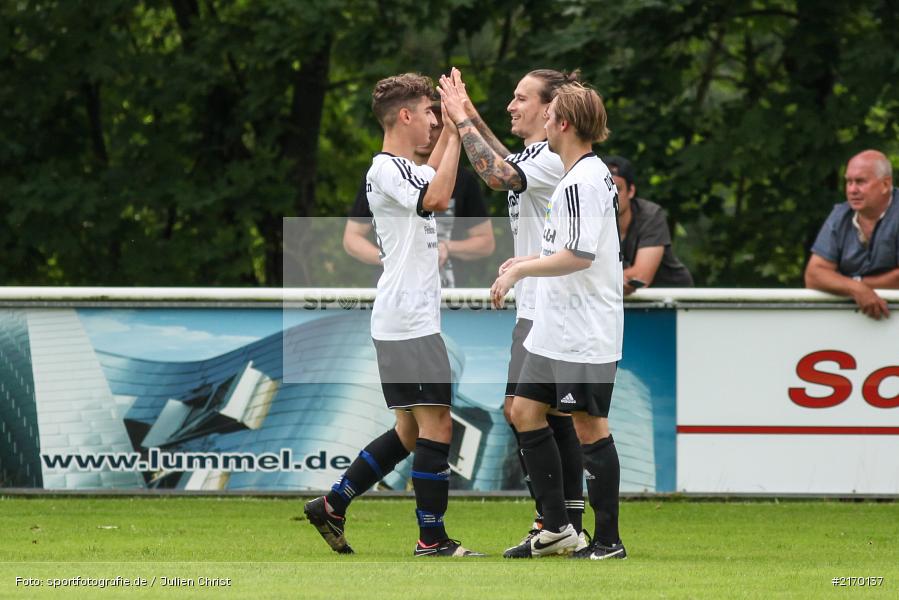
column 549, row 235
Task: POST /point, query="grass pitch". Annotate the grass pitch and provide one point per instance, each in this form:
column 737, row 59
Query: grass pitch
column 678, row 549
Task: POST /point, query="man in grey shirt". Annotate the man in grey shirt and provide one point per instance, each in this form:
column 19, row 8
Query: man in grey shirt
column 857, row 249
column 645, row 239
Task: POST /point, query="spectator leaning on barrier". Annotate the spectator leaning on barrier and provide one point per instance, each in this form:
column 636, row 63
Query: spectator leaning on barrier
column 857, row 249
column 464, row 229
column 645, row 239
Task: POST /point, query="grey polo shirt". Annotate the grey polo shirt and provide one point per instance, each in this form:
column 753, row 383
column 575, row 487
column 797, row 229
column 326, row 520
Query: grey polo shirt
column 838, row 241
column 648, row 228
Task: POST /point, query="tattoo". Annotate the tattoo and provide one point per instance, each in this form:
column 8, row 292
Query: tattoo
column 498, row 174
column 465, row 123
column 491, row 139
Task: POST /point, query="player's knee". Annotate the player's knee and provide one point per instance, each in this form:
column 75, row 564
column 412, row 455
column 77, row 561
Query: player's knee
column 524, row 418
column 407, row 436
column 407, row 430
column 437, row 426
column 590, row 429
column 445, row 425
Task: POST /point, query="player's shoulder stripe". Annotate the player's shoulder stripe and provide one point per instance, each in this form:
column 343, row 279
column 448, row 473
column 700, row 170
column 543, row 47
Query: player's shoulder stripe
column 573, row 203
column 405, row 168
column 528, row 153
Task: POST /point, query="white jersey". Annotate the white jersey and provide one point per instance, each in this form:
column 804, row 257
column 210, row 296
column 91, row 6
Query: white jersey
column 407, row 304
column 580, row 316
column 540, row 170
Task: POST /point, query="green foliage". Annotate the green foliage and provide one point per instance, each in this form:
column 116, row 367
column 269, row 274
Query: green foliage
column 740, row 115
column 161, row 143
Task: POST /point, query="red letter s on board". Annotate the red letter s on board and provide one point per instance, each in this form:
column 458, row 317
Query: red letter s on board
column 807, row 372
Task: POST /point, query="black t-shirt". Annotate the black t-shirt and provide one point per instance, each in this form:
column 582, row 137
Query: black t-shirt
column 466, row 209
column 649, row 227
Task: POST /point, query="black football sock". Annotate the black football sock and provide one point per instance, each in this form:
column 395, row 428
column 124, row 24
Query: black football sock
column 603, row 476
column 527, row 478
column 430, row 479
column 572, row 467
column 545, row 467
column 378, row 459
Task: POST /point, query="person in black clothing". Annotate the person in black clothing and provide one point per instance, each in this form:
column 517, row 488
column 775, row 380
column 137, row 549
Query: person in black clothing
column 645, row 238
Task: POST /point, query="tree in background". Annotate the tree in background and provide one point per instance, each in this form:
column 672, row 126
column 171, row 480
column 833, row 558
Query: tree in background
column 161, row 143
column 739, row 116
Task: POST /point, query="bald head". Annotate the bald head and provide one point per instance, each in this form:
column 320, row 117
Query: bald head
column 875, row 160
column 869, row 183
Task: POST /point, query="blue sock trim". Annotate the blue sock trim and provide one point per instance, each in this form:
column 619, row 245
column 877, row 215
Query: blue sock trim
column 431, row 476
column 372, row 463
column 344, row 488
column 427, row 519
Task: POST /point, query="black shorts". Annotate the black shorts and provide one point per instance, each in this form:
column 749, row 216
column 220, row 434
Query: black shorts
column 415, row 372
column 575, row 386
column 519, row 334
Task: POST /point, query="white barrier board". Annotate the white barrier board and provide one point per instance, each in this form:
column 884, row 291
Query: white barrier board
column 787, row 401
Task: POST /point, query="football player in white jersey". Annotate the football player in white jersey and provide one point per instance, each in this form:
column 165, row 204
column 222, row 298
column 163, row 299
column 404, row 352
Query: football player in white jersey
column 529, row 176
column 575, row 344
column 405, row 321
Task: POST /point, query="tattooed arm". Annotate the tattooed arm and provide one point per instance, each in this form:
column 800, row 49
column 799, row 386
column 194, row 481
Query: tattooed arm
column 490, row 165
column 485, row 131
column 487, row 158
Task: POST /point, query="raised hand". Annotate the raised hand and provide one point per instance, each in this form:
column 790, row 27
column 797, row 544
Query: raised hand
column 456, row 76
column 448, row 122
column 452, row 99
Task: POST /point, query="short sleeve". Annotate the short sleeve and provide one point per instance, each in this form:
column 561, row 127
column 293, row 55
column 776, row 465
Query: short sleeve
column 539, row 168
column 827, row 244
column 405, row 183
column 653, row 230
column 581, row 219
column 360, row 212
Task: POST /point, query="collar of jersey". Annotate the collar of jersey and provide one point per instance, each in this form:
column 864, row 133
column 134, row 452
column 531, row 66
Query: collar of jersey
column 588, row 155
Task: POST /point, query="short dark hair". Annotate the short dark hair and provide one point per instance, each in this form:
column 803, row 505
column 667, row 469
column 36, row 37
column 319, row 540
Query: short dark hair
column 553, row 80
column 400, row 91
column 621, row 167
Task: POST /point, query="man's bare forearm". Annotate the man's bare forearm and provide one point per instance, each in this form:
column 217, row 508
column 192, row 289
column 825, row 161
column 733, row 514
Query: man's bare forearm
column 489, row 137
column 883, row 281
column 490, row 166
column 476, row 245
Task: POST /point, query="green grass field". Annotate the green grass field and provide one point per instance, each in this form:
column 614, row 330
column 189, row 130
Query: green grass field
column 678, row 549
